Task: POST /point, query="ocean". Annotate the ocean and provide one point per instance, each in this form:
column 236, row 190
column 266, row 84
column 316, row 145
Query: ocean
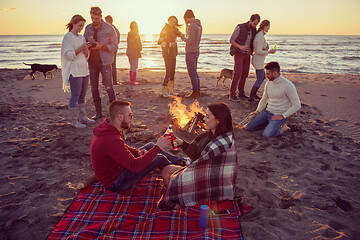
column 295, row 53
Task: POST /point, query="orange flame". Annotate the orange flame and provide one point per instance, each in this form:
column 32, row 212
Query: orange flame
column 181, row 114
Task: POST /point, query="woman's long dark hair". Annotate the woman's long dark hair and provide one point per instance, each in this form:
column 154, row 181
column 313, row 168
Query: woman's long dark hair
column 221, row 112
column 177, row 25
column 134, row 27
column 263, row 24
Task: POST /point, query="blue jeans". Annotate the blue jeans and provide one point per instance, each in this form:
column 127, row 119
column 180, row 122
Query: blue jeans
column 127, row 178
column 113, row 69
column 260, row 77
column 78, row 87
column 191, row 59
column 272, row 128
column 95, row 69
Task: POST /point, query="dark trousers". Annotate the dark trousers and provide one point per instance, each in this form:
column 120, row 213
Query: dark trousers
column 241, row 72
column 113, row 69
column 127, row 178
column 95, row 69
column 170, row 65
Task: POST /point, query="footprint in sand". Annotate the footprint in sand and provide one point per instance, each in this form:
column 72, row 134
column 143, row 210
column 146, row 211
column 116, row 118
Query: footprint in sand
column 342, row 97
column 307, row 92
column 323, row 95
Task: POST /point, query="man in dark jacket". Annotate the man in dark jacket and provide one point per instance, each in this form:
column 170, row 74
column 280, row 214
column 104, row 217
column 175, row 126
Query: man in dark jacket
column 192, row 40
column 242, row 48
column 116, row 165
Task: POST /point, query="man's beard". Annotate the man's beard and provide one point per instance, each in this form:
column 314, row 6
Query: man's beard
column 125, row 125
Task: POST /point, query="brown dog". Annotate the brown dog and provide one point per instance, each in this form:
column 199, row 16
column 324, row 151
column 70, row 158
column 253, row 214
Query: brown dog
column 41, row 68
column 225, row 73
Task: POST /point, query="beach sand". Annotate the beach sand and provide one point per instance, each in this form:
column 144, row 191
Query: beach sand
column 303, row 185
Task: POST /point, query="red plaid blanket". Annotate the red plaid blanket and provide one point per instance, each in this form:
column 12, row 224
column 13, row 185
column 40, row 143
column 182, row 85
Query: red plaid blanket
column 132, row 214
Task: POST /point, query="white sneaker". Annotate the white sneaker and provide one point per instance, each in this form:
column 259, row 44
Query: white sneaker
column 77, row 124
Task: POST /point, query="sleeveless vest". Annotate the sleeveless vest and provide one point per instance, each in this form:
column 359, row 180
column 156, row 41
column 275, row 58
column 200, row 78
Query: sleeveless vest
column 244, row 30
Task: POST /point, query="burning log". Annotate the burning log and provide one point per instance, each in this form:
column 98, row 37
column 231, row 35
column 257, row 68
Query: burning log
column 196, row 124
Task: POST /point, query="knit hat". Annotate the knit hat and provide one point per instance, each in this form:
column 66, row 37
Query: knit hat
column 189, row 14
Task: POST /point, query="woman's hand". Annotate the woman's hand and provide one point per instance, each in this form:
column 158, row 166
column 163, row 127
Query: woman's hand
column 85, row 48
column 178, row 141
column 272, row 51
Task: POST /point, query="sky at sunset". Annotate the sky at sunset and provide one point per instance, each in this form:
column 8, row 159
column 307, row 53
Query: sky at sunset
column 313, row 17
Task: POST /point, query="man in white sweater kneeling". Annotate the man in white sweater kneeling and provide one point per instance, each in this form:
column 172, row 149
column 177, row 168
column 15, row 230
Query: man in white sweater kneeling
column 282, row 101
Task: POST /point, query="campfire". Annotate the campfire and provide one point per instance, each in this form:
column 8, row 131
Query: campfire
column 187, row 118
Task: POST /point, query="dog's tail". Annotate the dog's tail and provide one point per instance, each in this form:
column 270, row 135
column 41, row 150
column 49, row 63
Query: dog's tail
column 27, row 64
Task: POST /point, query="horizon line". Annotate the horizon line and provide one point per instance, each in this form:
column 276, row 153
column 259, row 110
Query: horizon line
column 203, row 34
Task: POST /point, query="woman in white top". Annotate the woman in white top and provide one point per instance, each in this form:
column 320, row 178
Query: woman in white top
column 261, row 50
column 75, row 71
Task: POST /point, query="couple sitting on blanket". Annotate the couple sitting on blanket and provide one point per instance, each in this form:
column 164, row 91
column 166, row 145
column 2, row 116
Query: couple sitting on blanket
column 210, row 176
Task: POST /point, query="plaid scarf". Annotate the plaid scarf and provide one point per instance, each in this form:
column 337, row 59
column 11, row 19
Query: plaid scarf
column 211, row 177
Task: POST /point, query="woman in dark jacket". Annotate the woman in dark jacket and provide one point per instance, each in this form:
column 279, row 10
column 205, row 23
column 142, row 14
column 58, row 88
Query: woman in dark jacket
column 133, row 50
column 212, row 173
column 168, row 44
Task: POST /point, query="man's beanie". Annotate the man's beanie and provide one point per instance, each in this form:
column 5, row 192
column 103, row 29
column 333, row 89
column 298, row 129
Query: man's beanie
column 189, row 14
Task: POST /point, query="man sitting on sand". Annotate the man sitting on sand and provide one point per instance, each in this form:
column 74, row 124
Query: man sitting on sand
column 116, row 165
column 281, row 99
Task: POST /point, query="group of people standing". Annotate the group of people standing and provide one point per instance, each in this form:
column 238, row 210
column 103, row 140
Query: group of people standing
column 84, row 57
column 167, row 41
column 245, row 42
column 88, row 56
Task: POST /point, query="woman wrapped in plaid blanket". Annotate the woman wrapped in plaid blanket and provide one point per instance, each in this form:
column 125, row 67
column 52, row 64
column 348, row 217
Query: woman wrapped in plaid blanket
column 212, row 173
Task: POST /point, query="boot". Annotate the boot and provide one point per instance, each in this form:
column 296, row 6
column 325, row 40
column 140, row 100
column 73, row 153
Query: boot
column 133, row 79
column 165, row 91
column 171, row 88
column 131, row 76
column 193, row 95
column 98, row 109
column 253, row 95
column 82, row 114
column 74, row 118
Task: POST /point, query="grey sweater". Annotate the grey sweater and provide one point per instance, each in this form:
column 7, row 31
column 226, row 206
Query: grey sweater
column 193, row 36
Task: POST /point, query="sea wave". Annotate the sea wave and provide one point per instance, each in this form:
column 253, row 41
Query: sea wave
column 351, row 58
column 294, row 69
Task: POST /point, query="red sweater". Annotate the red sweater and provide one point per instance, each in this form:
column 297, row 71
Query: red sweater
column 110, row 155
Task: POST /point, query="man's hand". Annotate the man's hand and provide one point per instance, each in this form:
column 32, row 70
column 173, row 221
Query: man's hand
column 98, row 46
column 277, row 117
column 163, row 142
column 244, row 48
column 255, row 113
column 91, row 40
column 142, row 152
